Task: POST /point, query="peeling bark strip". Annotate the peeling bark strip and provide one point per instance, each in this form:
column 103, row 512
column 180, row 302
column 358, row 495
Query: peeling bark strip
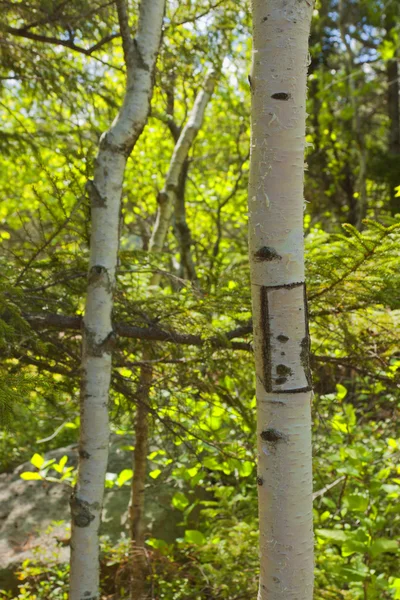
column 266, row 339
column 281, row 340
column 98, row 336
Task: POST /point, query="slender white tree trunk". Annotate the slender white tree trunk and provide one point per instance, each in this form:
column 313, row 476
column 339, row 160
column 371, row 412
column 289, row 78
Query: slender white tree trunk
column 167, row 196
column 98, row 337
column 281, row 340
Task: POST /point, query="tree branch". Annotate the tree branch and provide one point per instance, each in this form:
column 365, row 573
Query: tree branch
column 167, row 196
column 127, row 41
column 57, row 42
column 152, row 333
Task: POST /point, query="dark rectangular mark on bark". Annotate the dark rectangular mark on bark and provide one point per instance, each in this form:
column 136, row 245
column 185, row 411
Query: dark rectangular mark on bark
column 265, row 339
column 307, row 388
column 306, row 343
column 285, row 286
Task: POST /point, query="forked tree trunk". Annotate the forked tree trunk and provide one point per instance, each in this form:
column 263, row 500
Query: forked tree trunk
column 167, row 196
column 281, row 340
column 105, row 196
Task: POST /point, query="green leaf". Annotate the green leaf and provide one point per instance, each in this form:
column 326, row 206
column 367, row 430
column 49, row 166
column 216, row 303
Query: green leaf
column 395, row 585
column 381, row 545
column 37, row 460
column 353, row 574
column 356, row 542
column 193, row 471
column 154, row 474
column 341, row 391
column 245, row 468
column 193, row 536
column 63, row 461
column 28, row 475
column 210, row 462
column 180, row 501
column 157, row 543
column 334, row 535
column 356, row 502
column 387, row 49
column 124, row 476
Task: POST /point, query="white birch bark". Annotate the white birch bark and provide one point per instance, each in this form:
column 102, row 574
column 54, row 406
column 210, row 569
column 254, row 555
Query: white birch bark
column 281, row 341
column 105, row 195
column 167, row 196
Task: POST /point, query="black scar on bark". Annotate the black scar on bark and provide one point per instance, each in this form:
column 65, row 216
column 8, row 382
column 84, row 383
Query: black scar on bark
column 272, row 435
column 280, row 380
column 281, row 96
column 84, row 454
column 282, row 338
column 104, row 347
column 80, row 511
column 96, row 198
column 260, row 480
column 98, row 277
column 266, row 254
column 284, row 370
column 265, row 19
column 266, row 336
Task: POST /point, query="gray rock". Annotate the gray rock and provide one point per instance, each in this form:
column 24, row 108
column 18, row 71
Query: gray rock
column 34, row 515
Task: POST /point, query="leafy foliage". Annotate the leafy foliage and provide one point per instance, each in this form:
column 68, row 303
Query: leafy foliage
column 55, row 102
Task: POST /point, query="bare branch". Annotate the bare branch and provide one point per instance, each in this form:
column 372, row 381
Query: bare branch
column 152, row 333
column 58, row 42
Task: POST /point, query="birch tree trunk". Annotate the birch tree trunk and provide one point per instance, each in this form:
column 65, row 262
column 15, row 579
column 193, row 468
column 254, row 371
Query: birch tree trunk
column 167, row 196
column 281, row 340
column 105, row 196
